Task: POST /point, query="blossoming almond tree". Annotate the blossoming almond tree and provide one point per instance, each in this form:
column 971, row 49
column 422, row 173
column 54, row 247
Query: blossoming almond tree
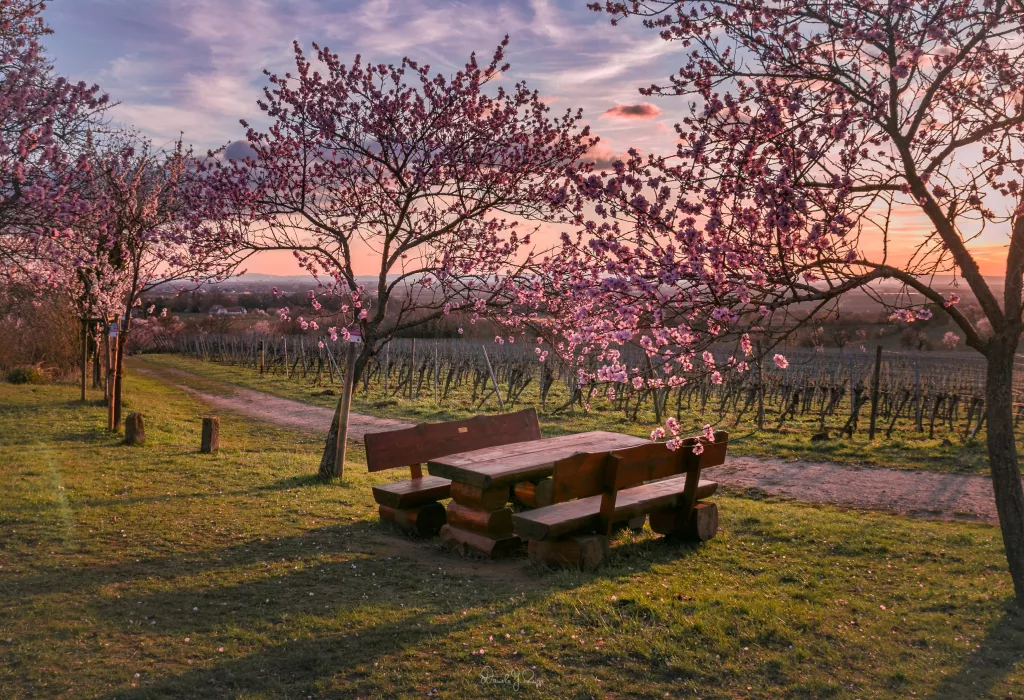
column 144, row 236
column 44, row 123
column 810, row 124
column 425, row 178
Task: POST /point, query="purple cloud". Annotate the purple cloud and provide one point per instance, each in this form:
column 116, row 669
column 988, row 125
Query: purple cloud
column 239, row 150
column 644, row 110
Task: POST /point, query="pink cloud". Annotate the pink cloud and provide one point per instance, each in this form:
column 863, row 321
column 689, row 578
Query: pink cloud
column 604, row 156
column 644, row 110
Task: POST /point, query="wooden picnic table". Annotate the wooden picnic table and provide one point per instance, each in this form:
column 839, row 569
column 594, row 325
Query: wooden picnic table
column 482, row 481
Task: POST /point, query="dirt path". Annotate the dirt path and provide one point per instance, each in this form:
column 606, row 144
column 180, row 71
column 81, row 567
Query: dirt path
column 918, row 493
column 268, row 408
column 930, row 494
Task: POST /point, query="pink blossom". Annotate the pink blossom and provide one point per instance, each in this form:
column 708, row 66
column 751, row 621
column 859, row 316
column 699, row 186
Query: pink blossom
column 746, row 345
column 780, row 361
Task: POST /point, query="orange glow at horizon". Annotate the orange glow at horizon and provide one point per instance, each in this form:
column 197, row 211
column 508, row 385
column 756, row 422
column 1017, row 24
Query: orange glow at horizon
column 907, row 229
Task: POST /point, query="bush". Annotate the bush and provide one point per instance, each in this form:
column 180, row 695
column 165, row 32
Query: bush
column 37, row 330
column 33, row 374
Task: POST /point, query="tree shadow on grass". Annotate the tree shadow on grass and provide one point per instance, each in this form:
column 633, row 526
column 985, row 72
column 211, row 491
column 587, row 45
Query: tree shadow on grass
column 990, row 663
column 303, row 667
column 375, row 594
column 285, row 484
column 353, row 537
column 350, row 612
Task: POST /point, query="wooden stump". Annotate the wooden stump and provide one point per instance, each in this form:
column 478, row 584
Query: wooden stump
column 496, row 524
column 469, row 543
column 586, row 552
column 425, row 521
column 211, row 436
column 479, row 499
column 701, row 526
column 536, row 495
column 134, row 429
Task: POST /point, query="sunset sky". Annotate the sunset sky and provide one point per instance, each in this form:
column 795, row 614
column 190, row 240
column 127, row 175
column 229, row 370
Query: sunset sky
column 195, row 66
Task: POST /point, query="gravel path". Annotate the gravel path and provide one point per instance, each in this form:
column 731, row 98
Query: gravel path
column 269, row 408
column 927, row 494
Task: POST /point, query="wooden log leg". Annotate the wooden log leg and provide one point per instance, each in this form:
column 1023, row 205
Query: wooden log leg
column 534, row 495
column 701, row 526
column 496, row 524
column 425, row 521
column 586, row 552
column 479, row 522
column 488, row 500
column 470, row 543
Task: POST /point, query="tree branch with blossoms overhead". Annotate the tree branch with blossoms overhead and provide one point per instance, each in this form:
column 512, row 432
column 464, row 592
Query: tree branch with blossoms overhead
column 808, row 124
column 425, row 177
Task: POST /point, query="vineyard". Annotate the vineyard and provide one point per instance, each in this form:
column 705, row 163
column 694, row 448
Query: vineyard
column 827, row 393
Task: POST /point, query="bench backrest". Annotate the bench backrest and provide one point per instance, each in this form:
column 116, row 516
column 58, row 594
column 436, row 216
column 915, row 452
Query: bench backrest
column 411, row 447
column 606, row 473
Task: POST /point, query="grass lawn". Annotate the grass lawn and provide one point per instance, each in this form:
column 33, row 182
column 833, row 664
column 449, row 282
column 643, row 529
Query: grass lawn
column 907, row 449
column 156, row 572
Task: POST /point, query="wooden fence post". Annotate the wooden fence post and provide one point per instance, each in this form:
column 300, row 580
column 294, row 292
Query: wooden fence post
column 211, row 436
column 918, row 398
column 760, row 389
column 134, row 429
column 341, row 441
column 874, row 391
column 412, row 370
column 497, row 391
column 263, row 356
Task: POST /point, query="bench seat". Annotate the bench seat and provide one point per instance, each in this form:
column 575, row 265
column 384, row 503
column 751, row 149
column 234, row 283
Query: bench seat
column 412, row 493
column 554, row 521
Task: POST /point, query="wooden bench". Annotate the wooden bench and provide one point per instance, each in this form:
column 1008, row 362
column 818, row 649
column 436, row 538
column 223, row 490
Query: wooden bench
column 413, row 505
column 595, row 491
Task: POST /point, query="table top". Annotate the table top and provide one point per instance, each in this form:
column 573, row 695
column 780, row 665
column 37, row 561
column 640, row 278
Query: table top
column 524, row 461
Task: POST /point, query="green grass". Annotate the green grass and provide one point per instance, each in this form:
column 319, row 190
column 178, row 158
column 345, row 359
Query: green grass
column 157, row 572
column 907, row 449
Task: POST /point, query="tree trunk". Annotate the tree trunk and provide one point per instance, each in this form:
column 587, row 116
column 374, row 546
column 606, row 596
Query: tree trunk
column 1002, row 456
column 85, row 354
column 118, row 374
column 330, row 448
column 97, row 368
